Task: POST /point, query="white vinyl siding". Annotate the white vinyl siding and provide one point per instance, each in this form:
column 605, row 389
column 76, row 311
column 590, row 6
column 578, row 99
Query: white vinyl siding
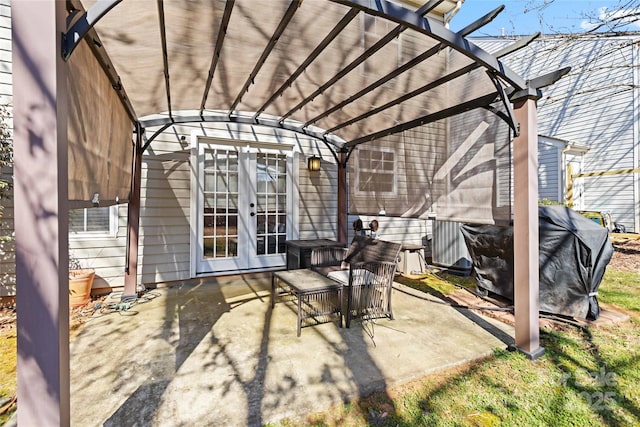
column 164, row 253
column 5, row 52
column 414, row 231
column 7, row 246
column 164, row 250
column 593, row 105
column 319, row 200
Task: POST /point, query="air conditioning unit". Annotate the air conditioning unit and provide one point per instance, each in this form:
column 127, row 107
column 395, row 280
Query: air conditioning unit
column 448, row 247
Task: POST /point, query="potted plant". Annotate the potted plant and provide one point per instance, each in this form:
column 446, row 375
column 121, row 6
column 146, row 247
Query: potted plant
column 80, row 283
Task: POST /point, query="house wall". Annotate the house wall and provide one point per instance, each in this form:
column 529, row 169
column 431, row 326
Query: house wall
column 165, row 207
column 166, row 195
column 164, row 250
column 164, row 241
column 105, row 254
column 5, row 52
column 7, row 247
column 594, row 105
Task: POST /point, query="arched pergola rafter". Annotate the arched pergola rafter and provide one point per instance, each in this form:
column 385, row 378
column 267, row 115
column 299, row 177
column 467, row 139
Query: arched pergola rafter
column 332, row 142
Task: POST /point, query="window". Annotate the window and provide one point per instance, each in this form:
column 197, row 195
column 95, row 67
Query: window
column 376, row 171
column 93, row 222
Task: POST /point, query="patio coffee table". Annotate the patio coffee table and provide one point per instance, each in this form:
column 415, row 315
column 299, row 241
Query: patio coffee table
column 316, row 294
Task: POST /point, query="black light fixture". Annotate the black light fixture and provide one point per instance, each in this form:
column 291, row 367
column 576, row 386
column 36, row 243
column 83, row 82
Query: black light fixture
column 313, row 163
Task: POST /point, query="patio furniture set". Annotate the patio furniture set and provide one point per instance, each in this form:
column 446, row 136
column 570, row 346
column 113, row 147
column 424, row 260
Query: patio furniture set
column 351, row 282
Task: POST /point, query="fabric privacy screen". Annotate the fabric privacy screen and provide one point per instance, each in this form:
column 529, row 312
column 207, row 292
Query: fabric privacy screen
column 458, row 169
column 100, row 134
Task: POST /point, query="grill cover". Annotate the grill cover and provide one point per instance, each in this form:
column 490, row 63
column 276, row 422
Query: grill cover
column 574, row 253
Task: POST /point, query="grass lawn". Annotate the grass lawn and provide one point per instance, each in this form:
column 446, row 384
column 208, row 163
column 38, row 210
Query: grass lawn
column 589, row 376
column 7, row 372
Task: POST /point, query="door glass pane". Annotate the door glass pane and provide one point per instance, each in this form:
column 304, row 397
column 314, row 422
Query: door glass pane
column 271, row 203
column 209, row 203
column 233, row 162
column 222, row 186
column 209, row 181
column 233, row 202
column 220, row 210
column 208, row 247
column 282, row 184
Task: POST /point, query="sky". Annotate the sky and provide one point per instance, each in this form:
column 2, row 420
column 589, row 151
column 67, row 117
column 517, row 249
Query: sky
column 522, row 17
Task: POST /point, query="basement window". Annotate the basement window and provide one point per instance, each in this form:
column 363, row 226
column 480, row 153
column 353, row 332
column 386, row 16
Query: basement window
column 93, row 222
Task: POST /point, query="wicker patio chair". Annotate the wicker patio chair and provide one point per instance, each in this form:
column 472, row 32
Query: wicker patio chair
column 366, row 268
column 324, row 260
column 368, row 291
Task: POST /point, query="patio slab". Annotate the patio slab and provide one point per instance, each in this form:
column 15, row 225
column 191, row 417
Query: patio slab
column 212, row 352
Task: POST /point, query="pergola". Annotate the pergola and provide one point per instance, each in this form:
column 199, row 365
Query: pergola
column 89, row 76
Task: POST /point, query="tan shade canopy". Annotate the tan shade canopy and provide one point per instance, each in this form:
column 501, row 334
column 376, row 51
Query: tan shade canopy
column 413, row 174
column 352, row 68
column 345, row 71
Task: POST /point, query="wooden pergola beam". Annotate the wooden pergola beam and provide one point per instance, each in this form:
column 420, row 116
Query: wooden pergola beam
column 133, row 221
column 343, row 191
column 41, row 211
column 525, row 228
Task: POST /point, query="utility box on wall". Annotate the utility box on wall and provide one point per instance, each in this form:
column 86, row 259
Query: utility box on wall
column 409, row 262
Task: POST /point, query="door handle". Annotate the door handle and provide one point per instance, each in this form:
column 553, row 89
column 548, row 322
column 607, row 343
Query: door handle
column 252, row 214
column 252, row 205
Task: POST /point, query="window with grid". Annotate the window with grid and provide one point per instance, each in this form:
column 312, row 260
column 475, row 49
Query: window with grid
column 91, row 222
column 376, row 171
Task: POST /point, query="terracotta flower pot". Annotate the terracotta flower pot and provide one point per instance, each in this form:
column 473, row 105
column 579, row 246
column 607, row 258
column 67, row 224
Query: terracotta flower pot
column 80, row 282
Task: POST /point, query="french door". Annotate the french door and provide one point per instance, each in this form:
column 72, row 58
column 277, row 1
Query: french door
column 244, row 194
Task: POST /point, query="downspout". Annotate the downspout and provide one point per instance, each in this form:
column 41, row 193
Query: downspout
column 343, row 229
column 449, row 15
column 636, row 137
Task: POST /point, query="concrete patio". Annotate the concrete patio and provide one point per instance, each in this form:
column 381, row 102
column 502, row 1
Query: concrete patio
column 212, row 352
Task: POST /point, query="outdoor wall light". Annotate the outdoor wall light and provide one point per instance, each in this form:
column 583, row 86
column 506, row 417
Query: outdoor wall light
column 313, row 163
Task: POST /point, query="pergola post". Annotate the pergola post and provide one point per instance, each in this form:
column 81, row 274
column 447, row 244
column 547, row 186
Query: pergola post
column 343, row 230
column 41, row 211
column 133, row 221
column 525, row 228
